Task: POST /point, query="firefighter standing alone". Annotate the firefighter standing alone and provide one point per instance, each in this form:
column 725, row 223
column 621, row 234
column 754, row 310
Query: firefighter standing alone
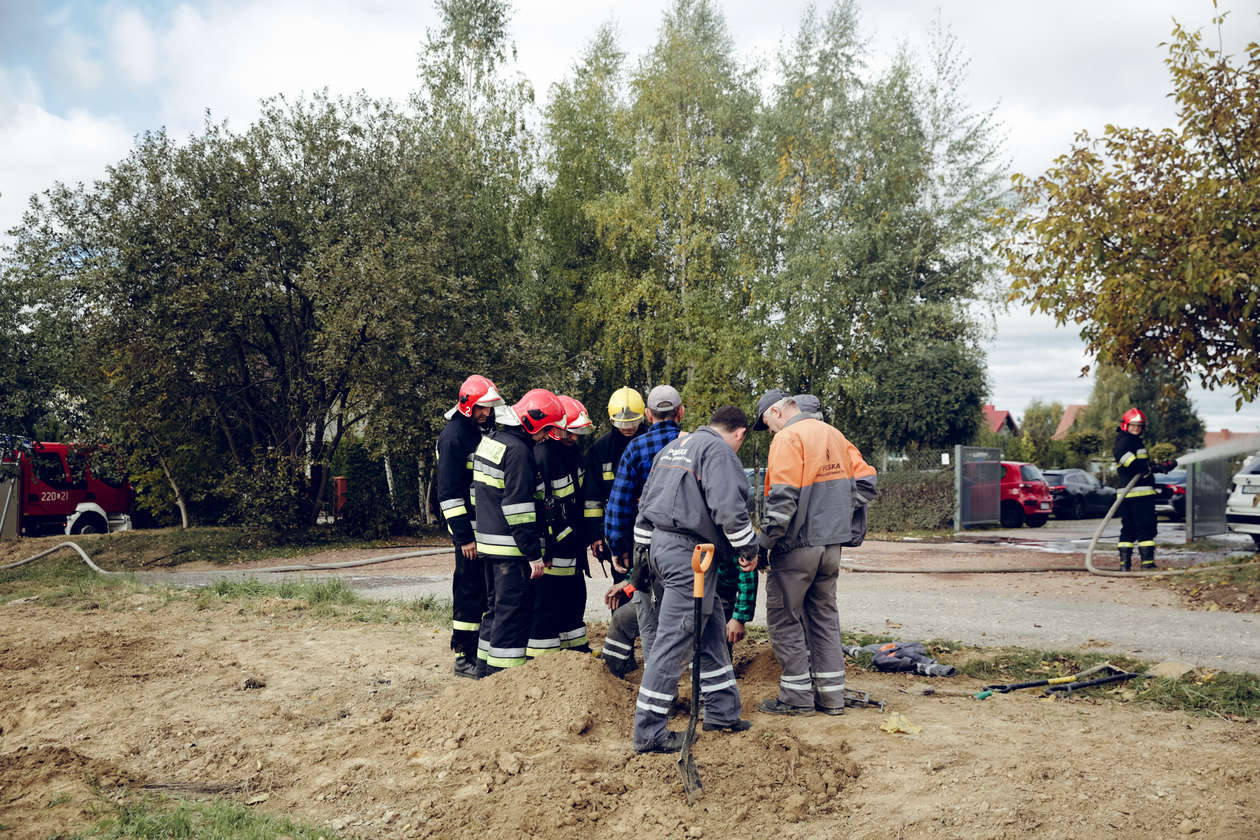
column 1137, row 511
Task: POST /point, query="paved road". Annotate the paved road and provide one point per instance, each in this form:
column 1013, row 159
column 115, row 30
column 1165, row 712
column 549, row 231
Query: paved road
column 954, row 607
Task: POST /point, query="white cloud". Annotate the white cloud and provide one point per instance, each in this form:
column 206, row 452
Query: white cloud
column 133, row 46
column 73, row 59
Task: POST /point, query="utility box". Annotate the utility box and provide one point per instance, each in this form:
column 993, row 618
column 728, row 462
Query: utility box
column 10, row 516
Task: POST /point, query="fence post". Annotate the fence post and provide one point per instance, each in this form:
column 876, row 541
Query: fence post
column 958, row 488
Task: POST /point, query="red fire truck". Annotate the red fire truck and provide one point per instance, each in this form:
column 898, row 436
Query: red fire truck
column 64, row 488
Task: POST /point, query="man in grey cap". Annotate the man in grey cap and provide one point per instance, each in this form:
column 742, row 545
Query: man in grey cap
column 817, row 486
column 665, row 411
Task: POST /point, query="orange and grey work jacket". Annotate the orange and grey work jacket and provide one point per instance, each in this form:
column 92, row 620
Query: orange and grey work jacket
column 815, row 481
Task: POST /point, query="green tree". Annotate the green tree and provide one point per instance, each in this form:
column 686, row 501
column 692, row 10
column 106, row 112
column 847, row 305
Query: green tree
column 1038, row 426
column 873, row 241
column 673, row 296
column 1148, row 240
column 1170, row 416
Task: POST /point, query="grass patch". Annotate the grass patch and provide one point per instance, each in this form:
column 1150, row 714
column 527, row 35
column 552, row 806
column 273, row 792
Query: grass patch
column 323, row 598
column 160, row 548
column 65, row 581
column 158, row 818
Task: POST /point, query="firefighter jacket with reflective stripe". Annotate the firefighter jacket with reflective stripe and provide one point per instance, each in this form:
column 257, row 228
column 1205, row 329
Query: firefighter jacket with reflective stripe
column 507, row 493
column 455, row 447
column 561, row 472
column 601, row 468
column 697, row 487
column 815, row 481
column 1131, row 460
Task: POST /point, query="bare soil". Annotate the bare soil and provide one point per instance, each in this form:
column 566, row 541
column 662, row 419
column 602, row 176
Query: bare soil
column 362, row 728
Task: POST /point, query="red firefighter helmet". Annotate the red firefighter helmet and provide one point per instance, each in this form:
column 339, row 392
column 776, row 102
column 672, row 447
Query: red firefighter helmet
column 539, row 409
column 477, row 390
column 1133, row 415
column 576, row 420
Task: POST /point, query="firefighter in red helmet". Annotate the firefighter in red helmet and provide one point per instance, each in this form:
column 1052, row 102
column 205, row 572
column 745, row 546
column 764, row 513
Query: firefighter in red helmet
column 466, row 423
column 509, row 526
column 1137, row 510
column 560, row 596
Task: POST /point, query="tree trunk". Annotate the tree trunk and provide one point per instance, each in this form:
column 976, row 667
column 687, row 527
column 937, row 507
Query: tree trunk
column 179, row 496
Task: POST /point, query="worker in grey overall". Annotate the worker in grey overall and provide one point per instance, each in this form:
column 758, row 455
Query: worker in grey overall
column 696, row 493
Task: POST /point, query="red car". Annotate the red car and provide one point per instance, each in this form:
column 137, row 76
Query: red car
column 1026, row 496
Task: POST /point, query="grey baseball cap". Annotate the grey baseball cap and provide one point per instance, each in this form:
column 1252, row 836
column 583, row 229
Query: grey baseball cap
column 768, row 399
column 663, row 398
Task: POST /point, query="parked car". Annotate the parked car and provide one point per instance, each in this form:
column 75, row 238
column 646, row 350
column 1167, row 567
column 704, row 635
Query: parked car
column 1170, row 498
column 1242, row 509
column 1026, row 497
column 1078, row 494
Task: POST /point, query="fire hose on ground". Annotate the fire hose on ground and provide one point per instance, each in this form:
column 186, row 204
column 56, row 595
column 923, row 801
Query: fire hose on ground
column 301, row 567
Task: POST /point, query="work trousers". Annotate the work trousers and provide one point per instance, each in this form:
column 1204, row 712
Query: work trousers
column 468, row 603
column 1137, row 522
column 672, row 649
column 804, row 625
column 619, row 643
column 647, row 603
column 559, row 609
column 509, row 616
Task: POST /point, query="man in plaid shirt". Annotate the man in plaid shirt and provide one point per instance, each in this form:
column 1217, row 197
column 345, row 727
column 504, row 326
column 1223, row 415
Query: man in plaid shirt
column 665, row 410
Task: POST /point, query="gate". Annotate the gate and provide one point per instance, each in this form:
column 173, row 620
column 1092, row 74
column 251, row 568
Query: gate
column 977, row 486
column 1207, row 490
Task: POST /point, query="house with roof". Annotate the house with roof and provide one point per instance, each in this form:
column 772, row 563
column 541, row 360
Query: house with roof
column 1211, row 439
column 999, row 422
column 1070, row 415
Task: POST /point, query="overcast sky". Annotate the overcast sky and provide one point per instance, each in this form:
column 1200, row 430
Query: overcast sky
column 78, row 81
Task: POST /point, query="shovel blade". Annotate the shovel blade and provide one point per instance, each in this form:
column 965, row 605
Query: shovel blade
column 692, row 785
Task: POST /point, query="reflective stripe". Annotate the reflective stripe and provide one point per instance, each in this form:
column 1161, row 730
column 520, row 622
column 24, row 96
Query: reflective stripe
column 830, row 689
column 656, row 695
column 709, row 689
column 496, row 539
column 612, row 654
column 705, row 675
column 573, row 635
column 1144, row 543
column 826, row 675
column 798, row 682
column 488, row 480
column 565, row 492
column 1138, row 492
column 465, row 625
column 561, row 572
column 548, row 645
column 566, row 532
column 744, row 535
column 447, row 504
column 563, row 562
column 617, row 644
column 642, row 535
column 1127, row 458
column 521, row 518
column 468, row 464
column 451, row 513
column 505, row 662
column 591, row 504
column 648, row 707
column 1124, row 545
column 519, row 507
column 593, row 513
column 486, row 469
column 608, row 475
column 507, row 653
column 562, row 481
column 575, row 642
column 498, row 550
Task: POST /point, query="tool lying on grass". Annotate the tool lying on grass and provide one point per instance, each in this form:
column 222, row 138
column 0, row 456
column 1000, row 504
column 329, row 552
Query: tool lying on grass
column 853, row 697
column 1054, row 681
column 1077, row 686
column 701, row 558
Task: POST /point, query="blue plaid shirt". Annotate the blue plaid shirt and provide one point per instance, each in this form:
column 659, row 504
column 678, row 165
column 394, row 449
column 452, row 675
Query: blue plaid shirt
column 632, row 473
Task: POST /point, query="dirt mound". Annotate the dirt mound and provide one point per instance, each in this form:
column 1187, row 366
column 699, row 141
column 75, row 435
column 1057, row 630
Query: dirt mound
column 45, row 789
column 548, row 744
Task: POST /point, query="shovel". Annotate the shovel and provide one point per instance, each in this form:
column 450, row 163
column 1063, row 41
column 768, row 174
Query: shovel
column 700, row 560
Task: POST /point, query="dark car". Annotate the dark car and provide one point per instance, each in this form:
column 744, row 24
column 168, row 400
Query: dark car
column 1078, row 494
column 1170, row 494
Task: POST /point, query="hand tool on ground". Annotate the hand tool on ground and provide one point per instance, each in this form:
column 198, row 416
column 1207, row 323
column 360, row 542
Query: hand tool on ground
column 1076, row 686
column 1008, row 688
column 701, row 558
column 854, row 697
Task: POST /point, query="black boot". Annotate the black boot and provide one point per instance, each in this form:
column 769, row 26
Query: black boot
column 1126, row 558
column 1147, row 553
column 465, row 667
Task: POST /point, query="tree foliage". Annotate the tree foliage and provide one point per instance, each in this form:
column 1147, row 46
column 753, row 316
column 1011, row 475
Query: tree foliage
column 1148, row 239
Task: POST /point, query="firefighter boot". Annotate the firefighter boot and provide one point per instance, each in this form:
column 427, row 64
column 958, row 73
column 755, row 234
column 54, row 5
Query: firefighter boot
column 465, row 667
column 1147, row 553
column 1126, row 558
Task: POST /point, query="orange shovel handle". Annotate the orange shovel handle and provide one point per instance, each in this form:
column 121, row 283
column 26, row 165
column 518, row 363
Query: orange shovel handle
column 701, row 559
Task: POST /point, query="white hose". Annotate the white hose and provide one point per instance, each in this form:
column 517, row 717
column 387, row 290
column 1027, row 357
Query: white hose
column 307, row 567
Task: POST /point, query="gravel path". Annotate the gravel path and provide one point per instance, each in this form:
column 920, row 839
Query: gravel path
column 1040, row 610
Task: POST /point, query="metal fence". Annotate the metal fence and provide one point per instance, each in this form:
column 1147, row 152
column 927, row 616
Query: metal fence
column 1207, row 491
column 977, row 486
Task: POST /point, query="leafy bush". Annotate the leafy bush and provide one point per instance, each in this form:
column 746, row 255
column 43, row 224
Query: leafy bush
column 913, row 500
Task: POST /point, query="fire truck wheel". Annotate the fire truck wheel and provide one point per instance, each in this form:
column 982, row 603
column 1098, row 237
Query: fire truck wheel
column 88, row 525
